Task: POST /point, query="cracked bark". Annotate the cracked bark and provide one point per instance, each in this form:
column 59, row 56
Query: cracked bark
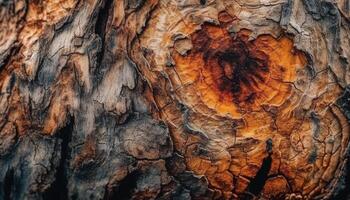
column 191, row 99
column 58, row 188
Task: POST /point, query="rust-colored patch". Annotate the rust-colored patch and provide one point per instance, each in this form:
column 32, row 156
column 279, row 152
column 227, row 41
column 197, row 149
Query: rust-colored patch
column 243, row 108
column 234, row 74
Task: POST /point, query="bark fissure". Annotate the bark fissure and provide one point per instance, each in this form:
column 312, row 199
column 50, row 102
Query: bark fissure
column 8, row 185
column 257, row 183
column 58, row 189
column 101, row 25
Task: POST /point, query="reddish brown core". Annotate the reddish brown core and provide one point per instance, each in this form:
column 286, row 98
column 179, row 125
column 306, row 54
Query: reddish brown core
column 234, row 63
column 234, row 74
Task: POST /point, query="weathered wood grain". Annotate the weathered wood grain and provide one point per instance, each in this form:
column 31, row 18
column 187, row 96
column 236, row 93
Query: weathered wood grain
column 174, row 99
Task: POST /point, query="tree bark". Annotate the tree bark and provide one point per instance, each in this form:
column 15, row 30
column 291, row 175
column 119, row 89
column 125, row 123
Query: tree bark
column 174, row 99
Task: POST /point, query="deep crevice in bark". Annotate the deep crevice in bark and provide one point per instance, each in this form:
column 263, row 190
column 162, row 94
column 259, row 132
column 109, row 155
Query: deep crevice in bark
column 102, row 19
column 100, row 26
column 257, row 183
column 58, row 189
column 8, row 185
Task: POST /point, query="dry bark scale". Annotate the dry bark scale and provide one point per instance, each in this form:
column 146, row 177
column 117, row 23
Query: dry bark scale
column 174, row 99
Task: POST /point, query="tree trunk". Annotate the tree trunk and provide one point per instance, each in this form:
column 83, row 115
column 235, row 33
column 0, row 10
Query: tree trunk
column 174, row 99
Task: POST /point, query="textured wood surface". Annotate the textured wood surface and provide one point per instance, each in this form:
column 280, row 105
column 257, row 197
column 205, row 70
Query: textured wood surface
column 174, row 99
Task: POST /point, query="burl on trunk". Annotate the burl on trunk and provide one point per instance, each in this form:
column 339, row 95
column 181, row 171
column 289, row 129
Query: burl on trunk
column 174, row 99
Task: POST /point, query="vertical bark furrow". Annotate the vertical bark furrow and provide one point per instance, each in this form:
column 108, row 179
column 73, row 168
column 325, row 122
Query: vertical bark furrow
column 58, row 189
